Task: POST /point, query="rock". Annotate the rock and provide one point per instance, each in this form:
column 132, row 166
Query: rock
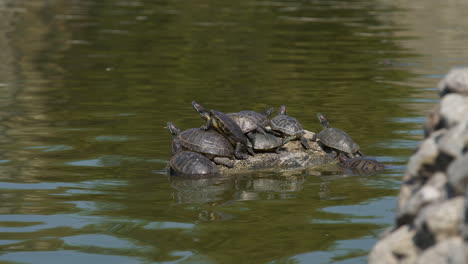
column 458, row 175
column 442, row 220
column 432, row 191
column 433, row 121
column 456, row 81
column 452, row 143
column 453, row 110
column 425, row 155
column 464, row 227
column 397, row 247
column 432, row 216
column 421, row 166
column 449, row 251
column 290, row 156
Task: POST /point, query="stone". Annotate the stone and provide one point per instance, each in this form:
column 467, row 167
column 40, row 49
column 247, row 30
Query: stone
column 290, row 156
column 442, row 220
column 453, row 110
column 458, row 175
column 450, row 251
column 426, row 154
column 433, row 121
column 396, row 247
column 456, row 81
column 432, row 191
column 453, row 142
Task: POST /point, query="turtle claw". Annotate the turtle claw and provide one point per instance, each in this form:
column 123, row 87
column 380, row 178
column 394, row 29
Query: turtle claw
column 241, row 156
column 304, row 143
column 251, row 152
column 261, row 130
column 224, row 161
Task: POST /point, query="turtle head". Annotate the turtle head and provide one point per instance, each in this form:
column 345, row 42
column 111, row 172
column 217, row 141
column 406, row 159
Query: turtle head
column 172, row 128
column 323, row 120
column 201, row 110
column 342, row 158
column 282, row 110
column 268, row 112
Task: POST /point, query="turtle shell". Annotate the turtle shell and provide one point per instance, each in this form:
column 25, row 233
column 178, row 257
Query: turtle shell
column 338, row 139
column 287, row 125
column 260, row 119
column 206, row 142
column 363, row 164
column 246, row 123
column 188, row 163
column 228, row 127
column 266, row 141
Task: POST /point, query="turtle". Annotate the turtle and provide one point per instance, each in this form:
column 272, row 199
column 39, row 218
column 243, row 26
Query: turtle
column 192, row 164
column 260, row 118
column 207, row 142
column 288, row 127
column 228, row 128
column 266, row 141
column 336, row 139
column 360, row 164
column 246, row 123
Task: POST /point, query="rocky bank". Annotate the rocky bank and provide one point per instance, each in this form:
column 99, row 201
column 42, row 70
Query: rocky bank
column 431, row 224
column 290, row 156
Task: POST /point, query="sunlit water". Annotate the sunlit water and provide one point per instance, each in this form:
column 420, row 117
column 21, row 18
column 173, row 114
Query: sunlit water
column 87, row 87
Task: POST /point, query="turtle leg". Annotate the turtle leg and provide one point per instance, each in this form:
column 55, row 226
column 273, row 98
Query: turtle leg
column 261, row 129
column 207, row 125
column 314, row 138
column 304, row 142
column 359, row 154
column 251, row 137
column 224, row 161
column 275, row 133
column 251, row 151
column 239, row 153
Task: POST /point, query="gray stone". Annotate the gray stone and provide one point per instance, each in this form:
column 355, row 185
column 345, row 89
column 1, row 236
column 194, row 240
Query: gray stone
column 456, row 81
column 458, row 174
column 397, row 247
column 433, row 121
column 453, row 142
column 453, row 110
column 420, row 168
column 432, row 191
column 426, row 154
column 290, row 156
column 442, row 220
column 464, row 227
column 450, row 251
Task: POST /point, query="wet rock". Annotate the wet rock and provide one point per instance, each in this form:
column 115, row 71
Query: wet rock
column 290, row 156
column 453, row 110
column 442, row 220
column 421, row 166
column 397, row 247
column 456, row 81
column 424, row 158
column 433, row 121
column 453, row 141
column 432, row 216
column 458, row 175
column 449, row 251
column 433, row 191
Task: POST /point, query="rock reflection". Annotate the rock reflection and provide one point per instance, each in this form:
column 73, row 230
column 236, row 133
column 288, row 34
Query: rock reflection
column 254, row 186
column 200, row 191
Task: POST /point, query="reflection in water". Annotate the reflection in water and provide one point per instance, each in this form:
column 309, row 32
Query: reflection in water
column 87, row 87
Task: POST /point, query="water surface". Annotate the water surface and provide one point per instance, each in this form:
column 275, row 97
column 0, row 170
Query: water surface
column 88, row 86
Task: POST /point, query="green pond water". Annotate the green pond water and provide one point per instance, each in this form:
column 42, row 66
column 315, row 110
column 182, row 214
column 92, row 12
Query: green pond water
column 88, row 86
